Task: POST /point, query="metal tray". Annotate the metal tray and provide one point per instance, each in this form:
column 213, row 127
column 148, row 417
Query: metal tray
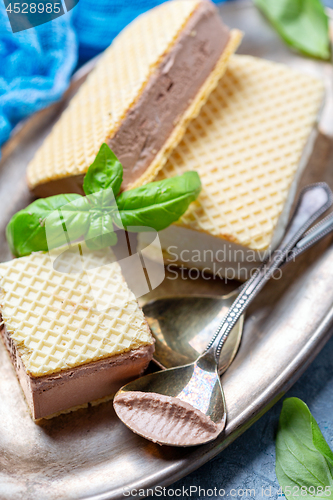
column 89, row 454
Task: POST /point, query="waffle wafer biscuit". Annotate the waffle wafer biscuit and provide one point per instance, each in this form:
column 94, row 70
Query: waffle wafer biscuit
column 249, row 144
column 145, row 89
column 74, row 335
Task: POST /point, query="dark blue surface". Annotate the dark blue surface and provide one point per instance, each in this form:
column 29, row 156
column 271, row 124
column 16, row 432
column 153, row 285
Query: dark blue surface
column 249, row 463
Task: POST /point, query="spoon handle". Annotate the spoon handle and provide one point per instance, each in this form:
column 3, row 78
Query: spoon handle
column 314, row 200
column 312, row 236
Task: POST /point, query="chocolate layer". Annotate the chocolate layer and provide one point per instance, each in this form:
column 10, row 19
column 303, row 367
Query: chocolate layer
column 164, row 419
column 169, row 92
column 64, row 390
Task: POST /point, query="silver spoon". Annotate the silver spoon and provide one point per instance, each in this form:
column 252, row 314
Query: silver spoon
column 185, row 406
column 183, row 325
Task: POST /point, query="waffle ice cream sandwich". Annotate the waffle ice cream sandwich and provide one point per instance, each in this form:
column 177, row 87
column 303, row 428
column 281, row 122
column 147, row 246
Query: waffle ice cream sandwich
column 145, row 89
column 74, row 336
column 249, row 144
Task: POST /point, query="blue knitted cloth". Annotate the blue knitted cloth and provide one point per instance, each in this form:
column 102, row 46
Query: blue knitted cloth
column 35, row 68
column 36, row 64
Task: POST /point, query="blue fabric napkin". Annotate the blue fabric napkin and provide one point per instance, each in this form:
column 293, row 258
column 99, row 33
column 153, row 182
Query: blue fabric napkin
column 36, row 64
column 35, row 68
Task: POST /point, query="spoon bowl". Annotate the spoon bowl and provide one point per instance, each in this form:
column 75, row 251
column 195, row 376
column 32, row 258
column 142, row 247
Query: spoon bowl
column 183, row 326
column 193, row 391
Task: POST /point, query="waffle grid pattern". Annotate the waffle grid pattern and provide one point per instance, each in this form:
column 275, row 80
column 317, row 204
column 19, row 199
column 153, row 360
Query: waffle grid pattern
column 63, row 318
column 118, row 80
column 247, row 144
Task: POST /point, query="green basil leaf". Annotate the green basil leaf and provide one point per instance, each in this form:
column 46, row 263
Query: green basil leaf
column 303, row 24
column 75, row 218
column 105, row 172
column 158, row 204
column 320, row 442
column 301, row 454
column 100, row 233
column 102, row 200
column 26, row 230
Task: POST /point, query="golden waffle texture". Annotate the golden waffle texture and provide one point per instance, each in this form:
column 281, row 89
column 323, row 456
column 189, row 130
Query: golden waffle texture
column 112, row 89
column 246, row 145
column 63, row 318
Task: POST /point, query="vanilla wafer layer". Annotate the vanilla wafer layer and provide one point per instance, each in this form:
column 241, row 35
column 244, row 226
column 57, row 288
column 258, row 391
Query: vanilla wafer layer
column 247, row 145
column 63, row 319
column 145, row 89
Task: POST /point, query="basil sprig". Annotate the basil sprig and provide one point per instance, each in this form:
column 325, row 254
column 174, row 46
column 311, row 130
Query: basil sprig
column 155, row 205
column 303, row 24
column 304, row 461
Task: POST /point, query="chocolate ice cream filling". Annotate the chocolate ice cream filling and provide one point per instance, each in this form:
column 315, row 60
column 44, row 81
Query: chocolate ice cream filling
column 67, row 389
column 170, row 91
column 164, row 419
